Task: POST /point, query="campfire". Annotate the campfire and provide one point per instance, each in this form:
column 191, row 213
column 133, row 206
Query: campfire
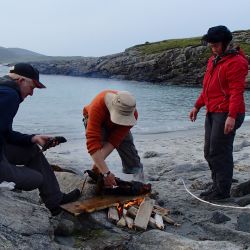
column 139, row 214
column 128, row 205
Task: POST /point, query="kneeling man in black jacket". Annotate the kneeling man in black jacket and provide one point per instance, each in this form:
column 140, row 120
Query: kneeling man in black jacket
column 22, row 149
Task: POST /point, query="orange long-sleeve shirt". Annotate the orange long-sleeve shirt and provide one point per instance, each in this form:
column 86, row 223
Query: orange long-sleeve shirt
column 98, row 117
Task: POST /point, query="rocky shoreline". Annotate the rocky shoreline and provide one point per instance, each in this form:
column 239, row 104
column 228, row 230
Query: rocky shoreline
column 26, row 224
column 179, row 65
column 167, row 158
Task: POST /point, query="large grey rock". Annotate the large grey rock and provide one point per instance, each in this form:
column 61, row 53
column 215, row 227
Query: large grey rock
column 23, row 217
column 241, row 189
column 219, row 217
column 243, row 222
column 158, row 240
column 23, row 224
column 69, row 181
column 243, row 201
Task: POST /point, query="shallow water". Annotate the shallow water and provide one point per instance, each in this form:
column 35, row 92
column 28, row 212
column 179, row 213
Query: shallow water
column 57, row 110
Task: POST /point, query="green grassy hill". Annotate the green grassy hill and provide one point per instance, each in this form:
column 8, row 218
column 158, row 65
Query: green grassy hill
column 240, row 37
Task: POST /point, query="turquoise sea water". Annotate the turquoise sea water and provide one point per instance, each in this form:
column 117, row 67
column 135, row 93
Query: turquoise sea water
column 58, row 108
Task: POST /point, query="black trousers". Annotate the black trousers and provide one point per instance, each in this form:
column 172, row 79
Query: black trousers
column 28, row 168
column 218, row 149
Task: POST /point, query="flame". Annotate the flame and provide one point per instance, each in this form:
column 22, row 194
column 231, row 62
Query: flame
column 121, row 206
column 119, row 209
column 133, row 203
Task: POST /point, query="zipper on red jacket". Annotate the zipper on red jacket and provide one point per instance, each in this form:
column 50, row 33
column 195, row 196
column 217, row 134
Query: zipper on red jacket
column 206, row 92
column 222, row 90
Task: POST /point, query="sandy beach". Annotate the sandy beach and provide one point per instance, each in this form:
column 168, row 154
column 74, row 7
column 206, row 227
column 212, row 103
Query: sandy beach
column 168, row 158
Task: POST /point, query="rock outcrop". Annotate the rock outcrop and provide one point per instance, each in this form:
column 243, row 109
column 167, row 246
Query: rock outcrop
column 176, row 65
column 27, row 224
column 157, row 240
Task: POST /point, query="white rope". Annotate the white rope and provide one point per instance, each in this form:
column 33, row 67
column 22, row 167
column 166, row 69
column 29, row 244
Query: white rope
column 212, row 204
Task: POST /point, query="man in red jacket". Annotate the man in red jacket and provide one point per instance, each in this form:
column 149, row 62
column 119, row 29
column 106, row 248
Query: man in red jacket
column 223, row 96
column 108, row 120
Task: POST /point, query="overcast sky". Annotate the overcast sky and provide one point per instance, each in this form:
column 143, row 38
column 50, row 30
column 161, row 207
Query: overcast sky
column 102, row 27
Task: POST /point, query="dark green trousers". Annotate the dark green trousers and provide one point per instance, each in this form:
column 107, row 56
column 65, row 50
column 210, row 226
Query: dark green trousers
column 218, row 150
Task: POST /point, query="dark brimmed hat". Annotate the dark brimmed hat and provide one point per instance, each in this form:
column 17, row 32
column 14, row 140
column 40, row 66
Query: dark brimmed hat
column 218, row 34
column 26, row 70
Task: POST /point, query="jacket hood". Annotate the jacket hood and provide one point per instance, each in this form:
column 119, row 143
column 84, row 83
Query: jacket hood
column 232, row 50
column 8, row 82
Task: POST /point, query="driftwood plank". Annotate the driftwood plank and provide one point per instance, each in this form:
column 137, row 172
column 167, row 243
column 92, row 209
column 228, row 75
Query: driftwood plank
column 97, row 203
column 160, row 210
column 159, row 221
column 113, row 214
column 170, row 220
column 144, row 213
column 121, row 222
column 129, row 221
column 132, row 211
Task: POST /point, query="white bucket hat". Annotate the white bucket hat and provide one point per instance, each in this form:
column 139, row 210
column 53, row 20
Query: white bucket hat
column 121, row 106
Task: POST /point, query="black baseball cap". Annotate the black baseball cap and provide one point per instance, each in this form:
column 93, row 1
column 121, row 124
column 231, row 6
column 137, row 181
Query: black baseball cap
column 218, row 34
column 26, row 70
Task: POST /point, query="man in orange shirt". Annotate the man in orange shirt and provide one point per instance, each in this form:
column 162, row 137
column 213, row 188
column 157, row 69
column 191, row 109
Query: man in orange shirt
column 108, row 120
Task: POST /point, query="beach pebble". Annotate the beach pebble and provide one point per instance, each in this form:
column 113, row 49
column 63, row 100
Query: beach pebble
column 150, row 154
column 161, row 202
column 218, row 218
column 64, row 228
column 178, row 182
column 154, row 178
column 243, row 201
column 241, row 189
column 188, row 167
column 243, row 222
column 198, row 185
column 65, row 242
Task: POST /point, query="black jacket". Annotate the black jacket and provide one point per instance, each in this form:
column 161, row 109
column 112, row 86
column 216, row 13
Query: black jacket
column 10, row 99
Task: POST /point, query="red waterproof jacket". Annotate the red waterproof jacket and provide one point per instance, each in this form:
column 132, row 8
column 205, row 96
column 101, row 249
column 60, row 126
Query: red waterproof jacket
column 224, row 85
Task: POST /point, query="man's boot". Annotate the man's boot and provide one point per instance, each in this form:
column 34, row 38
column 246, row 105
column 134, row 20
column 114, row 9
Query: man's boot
column 208, row 191
column 67, row 198
column 212, row 188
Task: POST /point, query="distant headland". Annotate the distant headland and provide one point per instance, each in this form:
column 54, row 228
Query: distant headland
column 175, row 61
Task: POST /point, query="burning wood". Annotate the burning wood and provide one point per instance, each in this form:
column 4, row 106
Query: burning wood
column 159, row 221
column 144, row 213
column 135, row 202
column 170, row 221
column 132, row 211
column 97, row 203
column 121, row 222
column 113, row 214
column 129, row 221
column 161, row 210
column 156, row 222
